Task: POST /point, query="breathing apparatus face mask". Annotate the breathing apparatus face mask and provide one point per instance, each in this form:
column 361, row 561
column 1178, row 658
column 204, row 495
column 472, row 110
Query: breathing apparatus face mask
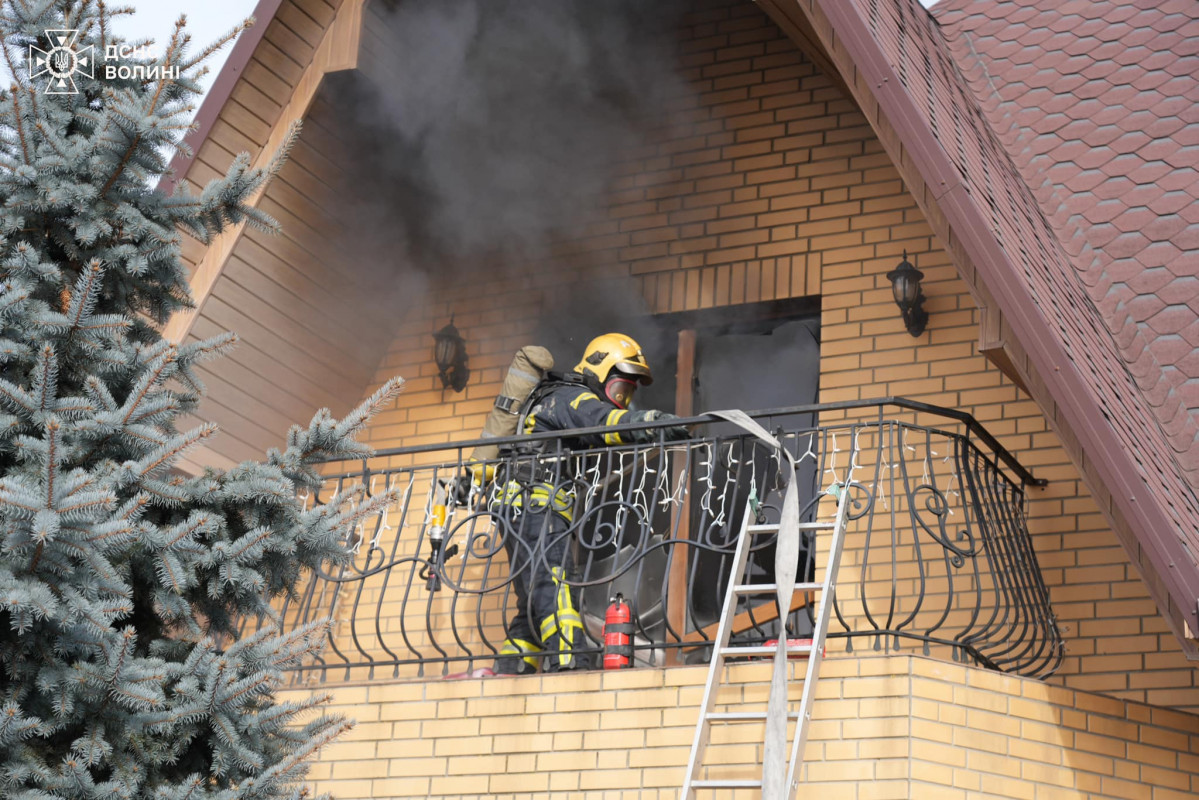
column 620, row 391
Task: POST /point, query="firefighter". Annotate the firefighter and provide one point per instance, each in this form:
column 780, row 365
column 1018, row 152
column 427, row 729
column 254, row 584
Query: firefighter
column 539, row 508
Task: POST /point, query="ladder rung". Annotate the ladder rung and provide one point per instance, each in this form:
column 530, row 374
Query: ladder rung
column 803, row 526
column 726, row 784
column 737, row 716
column 771, row 588
column 763, row 651
column 756, row 588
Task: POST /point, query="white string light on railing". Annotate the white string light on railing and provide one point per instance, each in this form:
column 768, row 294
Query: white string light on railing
column 951, row 492
column 622, row 511
column 926, row 466
column 665, row 490
column 591, row 476
column 832, row 460
column 810, row 451
column 383, row 526
column 377, row 538
column 903, row 445
column 853, row 455
column 380, row 527
column 705, row 500
column 586, row 477
column 638, row 498
column 929, row 455
column 753, row 485
column 884, row 467
column 731, row 468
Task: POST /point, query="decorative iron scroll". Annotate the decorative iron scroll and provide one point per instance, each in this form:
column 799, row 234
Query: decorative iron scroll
column 938, row 555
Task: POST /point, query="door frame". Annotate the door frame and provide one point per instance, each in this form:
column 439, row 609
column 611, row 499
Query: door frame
column 742, row 318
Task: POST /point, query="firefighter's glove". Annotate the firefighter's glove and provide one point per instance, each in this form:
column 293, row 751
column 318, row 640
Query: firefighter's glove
column 476, row 477
column 460, row 489
column 675, row 433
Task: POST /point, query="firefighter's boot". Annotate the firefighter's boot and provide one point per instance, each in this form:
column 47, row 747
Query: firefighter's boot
column 517, row 657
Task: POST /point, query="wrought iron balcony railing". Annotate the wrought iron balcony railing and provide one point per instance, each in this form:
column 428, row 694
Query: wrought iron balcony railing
column 937, row 555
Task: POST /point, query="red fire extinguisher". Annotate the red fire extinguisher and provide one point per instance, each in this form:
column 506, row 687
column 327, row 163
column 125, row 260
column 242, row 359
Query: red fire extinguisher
column 618, row 635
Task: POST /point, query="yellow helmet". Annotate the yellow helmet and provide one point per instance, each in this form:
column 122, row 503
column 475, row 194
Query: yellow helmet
column 614, row 351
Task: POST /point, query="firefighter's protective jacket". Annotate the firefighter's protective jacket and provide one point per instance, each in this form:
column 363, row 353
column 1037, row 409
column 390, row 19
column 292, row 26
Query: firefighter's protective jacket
column 564, row 404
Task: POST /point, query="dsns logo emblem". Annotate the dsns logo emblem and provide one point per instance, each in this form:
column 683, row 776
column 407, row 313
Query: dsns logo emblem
column 61, row 62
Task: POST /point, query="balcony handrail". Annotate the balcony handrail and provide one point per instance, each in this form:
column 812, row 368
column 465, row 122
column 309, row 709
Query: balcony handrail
column 973, row 425
column 943, row 553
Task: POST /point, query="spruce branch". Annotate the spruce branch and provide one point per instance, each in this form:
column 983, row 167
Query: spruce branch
column 102, row 22
column 16, row 398
column 45, row 381
column 211, row 49
column 136, row 143
column 281, row 155
column 32, row 92
column 117, row 576
column 82, row 299
column 18, row 122
column 167, row 453
column 332, row 727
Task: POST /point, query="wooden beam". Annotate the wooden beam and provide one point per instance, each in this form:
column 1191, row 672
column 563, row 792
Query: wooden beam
column 347, row 33
column 684, row 392
column 992, row 338
column 684, row 406
column 338, row 51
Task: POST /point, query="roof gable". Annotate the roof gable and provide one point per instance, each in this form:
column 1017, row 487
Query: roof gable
column 1016, row 245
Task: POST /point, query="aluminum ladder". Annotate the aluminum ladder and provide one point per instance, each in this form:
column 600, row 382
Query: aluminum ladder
column 775, row 783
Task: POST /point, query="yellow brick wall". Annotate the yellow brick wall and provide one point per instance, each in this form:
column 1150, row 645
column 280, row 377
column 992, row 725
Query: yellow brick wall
column 772, row 185
column 884, row 727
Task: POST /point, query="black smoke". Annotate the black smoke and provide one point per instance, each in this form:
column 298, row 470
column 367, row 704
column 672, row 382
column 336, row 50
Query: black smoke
column 490, row 127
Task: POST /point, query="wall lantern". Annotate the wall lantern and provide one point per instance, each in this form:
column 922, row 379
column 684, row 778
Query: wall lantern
column 905, row 286
column 449, row 351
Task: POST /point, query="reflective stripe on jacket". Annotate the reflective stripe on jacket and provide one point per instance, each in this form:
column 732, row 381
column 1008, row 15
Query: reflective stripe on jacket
column 571, row 405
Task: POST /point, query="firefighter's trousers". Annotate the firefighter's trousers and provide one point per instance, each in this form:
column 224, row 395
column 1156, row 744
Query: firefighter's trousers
column 547, row 617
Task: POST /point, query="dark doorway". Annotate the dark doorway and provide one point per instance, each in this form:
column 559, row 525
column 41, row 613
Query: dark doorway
column 771, row 361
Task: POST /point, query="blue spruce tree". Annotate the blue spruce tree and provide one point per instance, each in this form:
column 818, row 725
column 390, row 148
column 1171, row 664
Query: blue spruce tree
column 121, row 580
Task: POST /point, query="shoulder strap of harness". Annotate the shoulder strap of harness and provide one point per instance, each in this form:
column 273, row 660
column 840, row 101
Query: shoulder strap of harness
column 551, row 381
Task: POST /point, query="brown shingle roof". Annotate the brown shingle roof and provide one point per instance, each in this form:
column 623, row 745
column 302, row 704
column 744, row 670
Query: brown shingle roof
column 1055, row 285
column 1096, row 103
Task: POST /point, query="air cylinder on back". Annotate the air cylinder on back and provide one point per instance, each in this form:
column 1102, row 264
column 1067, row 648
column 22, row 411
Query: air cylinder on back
column 527, row 369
